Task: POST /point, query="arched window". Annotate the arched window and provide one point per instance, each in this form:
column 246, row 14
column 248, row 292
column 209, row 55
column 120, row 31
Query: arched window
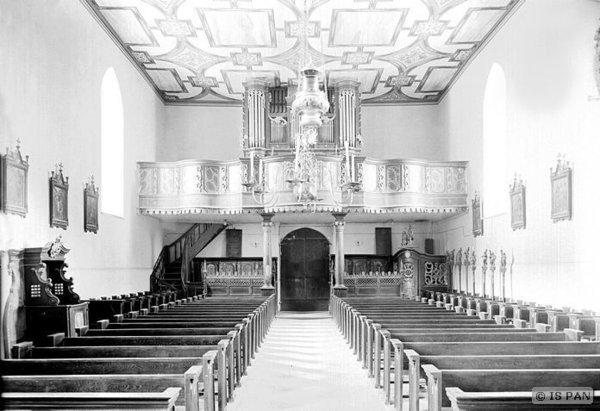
column 495, row 181
column 111, row 146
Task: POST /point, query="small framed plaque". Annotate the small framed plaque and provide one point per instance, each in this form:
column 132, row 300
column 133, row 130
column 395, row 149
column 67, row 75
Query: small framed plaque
column 517, row 204
column 13, row 181
column 477, row 206
column 59, row 199
column 560, row 180
column 91, row 193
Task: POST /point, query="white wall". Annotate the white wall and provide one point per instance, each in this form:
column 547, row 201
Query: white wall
column 388, row 132
column 359, row 238
column 407, row 132
column 213, row 133
column 547, row 51
column 54, row 55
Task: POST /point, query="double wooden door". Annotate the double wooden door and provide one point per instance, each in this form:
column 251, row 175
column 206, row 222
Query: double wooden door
column 305, row 271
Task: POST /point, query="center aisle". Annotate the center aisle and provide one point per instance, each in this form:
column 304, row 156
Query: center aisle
column 304, row 364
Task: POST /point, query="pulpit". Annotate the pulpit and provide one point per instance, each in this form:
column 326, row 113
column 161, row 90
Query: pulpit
column 51, row 304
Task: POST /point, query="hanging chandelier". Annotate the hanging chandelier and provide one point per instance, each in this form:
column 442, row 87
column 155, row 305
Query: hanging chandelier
column 308, row 111
column 309, row 108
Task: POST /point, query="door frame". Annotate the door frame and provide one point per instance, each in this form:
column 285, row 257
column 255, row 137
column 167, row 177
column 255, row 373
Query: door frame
column 280, row 261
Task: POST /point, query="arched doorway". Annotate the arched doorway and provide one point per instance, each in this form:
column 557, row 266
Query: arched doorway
column 304, row 271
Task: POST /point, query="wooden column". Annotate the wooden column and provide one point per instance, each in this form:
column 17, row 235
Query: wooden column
column 267, row 288
column 339, row 289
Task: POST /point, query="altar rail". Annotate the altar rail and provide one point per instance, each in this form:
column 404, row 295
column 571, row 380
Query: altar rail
column 232, row 276
column 382, row 284
column 414, row 273
column 234, row 286
column 206, row 186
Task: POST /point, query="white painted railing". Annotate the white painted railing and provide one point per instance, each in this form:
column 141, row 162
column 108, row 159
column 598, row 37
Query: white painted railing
column 204, row 186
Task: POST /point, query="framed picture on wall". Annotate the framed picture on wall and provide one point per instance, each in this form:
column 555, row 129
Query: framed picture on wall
column 13, row 179
column 560, row 180
column 90, row 206
column 517, row 204
column 477, row 206
column 59, row 199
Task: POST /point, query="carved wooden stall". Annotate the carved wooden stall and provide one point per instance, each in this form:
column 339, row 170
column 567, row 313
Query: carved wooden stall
column 232, row 276
column 405, row 274
column 421, row 272
column 51, row 304
column 370, row 275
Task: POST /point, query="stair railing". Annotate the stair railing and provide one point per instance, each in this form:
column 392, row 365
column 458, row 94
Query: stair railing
column 180, row 249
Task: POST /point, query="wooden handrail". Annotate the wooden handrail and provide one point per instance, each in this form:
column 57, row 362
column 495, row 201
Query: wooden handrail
column 183, row 249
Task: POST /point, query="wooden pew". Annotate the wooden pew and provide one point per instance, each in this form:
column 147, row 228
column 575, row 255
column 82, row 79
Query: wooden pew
column 481, row 336
column 144, row 340
column 136, row 374
column 75, row 401
column 149, row 323
column 91, row 365
column 122, row 351
column 452, row 362
column 446, row 325
column 158, row 331
column 502, row 380
column 505, row 401
column 105, row 309
column 189, row 381
column 406, row 339
column 352, row 328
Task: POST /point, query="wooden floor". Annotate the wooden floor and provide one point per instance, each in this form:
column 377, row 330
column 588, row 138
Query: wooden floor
column 304, row 364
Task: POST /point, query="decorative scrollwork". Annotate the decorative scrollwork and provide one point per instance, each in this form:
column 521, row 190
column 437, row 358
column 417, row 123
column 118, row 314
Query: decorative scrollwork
column 407, row 283
column 435, row 274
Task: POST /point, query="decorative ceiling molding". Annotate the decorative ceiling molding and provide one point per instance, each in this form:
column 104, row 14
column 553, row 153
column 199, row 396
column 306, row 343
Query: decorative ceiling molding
column 195, row 52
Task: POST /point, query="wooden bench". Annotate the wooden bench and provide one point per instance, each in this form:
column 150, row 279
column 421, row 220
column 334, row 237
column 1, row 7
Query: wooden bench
column 122, row 351
column 505, row 401
column 396, row 360
column 137, row 371
column 112, row 366
column 356, row 326
column 91, row 365
column 112, row 332
column 481, row 336
column 452, row 362
column 446, row 325
column 189, row 381
column 75, row 401
column 149, row 323
column 502, row 380
column 144, row 340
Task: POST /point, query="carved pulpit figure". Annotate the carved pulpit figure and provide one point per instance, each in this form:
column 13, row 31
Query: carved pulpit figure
column 466, row 263
column 459, row 267
column 450, row 264
column 473, row 264
column 503, row 273
column 492, row 272
column 484, row 266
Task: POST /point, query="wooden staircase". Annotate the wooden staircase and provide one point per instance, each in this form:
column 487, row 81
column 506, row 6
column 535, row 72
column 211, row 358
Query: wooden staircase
column 172, row 268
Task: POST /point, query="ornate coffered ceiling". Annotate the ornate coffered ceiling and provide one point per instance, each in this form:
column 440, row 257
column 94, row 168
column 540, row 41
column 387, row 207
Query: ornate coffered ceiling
column 200, row 52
